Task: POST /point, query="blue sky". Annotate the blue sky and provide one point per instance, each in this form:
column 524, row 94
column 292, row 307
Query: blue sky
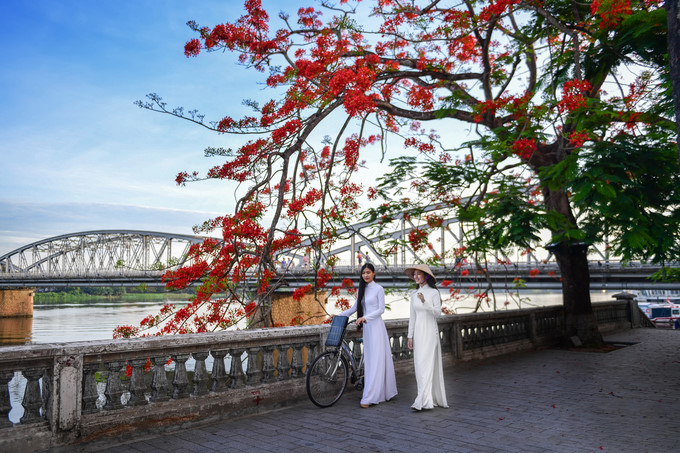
column 76, row 153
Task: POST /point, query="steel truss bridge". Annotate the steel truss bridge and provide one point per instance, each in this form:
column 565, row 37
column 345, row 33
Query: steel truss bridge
column 96, row 258
column 130, row 258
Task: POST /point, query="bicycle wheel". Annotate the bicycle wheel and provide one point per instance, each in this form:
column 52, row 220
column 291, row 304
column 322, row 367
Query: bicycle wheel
column 327, row 378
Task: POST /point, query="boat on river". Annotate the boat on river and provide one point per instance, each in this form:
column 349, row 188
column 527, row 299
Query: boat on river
column 661, row 306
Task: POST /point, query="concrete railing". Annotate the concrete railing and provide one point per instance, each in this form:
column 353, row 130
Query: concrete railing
column 65, row 393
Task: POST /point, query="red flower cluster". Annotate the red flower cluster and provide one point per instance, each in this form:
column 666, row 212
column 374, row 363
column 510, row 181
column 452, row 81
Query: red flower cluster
column 577, row 139
column 290, row 239
column 250, row 308
column 610, row 12
column 421, row 98
column 434, row 221
column 417, row 238
column 299, row 293
column 322, row 278
column 495, row 9
column 573, row 95
column 298, row 204
column 192, row 48
column 524, row 148
column 483, row 108
column 125, row 332
column 420, row 145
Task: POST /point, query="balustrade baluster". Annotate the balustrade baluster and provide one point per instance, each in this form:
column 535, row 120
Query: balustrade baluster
column 137, row 386
column 114, row 388
column 445, row 335
column 5, row 404
column 296, row 364
column 396, row 347
column 268, row 367
column 32, row 401
column 219, row 373
column 254, row 370
column 47, row 394
column 283, row 366
column 180, row 382
column 200, row 374
column 90, row 393
column 159, row 383
column 236, row 374
column 311, row 354
column 404, row 351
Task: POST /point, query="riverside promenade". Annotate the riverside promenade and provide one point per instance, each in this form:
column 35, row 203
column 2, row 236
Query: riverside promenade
column 552, row 400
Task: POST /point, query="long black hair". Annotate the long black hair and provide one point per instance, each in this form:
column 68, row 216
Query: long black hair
column 430, row 281
column 362, row 289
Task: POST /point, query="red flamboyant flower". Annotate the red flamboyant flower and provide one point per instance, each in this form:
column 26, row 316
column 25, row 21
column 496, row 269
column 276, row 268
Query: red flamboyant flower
column 299, row 293
column 250, row 308
column 524, row 148
column 418, row 239
column 322, row 277
column 496, row 8
column 573, row 95
column 610, row 12
column 192, row 48
column 577, row 139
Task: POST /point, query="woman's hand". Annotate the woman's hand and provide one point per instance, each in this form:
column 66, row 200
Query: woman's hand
column 360, row 321
column 421, row 297
column 410, row 343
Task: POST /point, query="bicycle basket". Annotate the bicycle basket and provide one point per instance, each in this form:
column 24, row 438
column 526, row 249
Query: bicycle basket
column 337, row 332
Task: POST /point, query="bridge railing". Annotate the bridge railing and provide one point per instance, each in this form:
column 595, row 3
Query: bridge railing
column 59, row 394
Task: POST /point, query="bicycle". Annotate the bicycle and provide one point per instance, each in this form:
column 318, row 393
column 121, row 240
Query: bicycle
column 327, row 376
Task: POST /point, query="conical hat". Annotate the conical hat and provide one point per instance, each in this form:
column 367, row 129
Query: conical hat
column 419, row 267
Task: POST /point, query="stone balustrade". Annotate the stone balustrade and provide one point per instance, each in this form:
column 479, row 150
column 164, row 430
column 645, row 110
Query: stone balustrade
column 63, row 393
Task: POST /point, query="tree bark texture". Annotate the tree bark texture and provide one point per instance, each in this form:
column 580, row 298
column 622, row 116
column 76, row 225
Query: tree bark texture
column 572, row 258
column 672, row 11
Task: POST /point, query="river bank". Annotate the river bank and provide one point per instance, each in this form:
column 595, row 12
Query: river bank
column 84, row 298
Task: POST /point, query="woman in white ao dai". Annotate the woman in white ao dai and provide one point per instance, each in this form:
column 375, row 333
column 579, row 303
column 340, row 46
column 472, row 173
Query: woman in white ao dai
column 423, row 338
column 380, row 383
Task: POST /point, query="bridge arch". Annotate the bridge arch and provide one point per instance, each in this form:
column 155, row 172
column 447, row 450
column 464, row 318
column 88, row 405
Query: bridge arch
column 94, row 252
column 387, row 241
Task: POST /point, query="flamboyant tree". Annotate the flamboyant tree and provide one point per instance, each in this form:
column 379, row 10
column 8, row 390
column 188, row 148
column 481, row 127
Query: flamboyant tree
column 570, row 124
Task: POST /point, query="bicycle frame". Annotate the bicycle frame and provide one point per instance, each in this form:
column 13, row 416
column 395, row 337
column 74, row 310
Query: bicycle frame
column 332, row 370
column 357, row 371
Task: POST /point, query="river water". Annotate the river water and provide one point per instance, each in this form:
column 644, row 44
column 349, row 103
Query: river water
column 58, row 323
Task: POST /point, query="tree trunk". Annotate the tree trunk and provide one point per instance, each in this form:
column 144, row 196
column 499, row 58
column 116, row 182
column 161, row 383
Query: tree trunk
column 579, row 319
column 572, row 258
column 672, row 12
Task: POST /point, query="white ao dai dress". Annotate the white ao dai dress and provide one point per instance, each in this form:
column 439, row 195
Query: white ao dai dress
column 427, row 350
column 380, row 383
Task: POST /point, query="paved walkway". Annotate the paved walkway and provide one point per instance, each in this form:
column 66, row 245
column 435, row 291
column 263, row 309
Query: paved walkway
column 553, row 400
